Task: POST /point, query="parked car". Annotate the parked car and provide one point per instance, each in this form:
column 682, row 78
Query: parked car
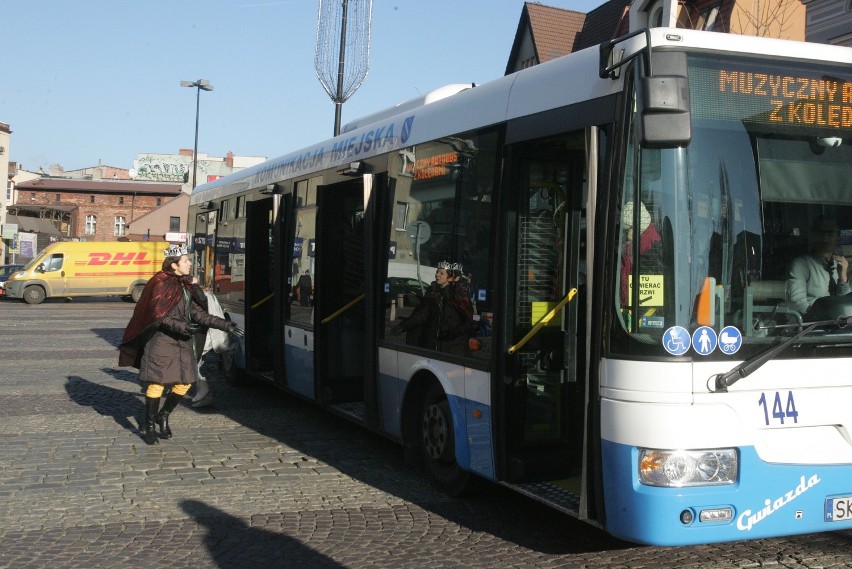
column 5, row 271
column 410, row 289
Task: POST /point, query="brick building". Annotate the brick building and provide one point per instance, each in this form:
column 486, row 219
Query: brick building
column 94, row 210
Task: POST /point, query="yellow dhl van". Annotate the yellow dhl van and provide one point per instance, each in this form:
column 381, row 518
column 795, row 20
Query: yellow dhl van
column 94, row 268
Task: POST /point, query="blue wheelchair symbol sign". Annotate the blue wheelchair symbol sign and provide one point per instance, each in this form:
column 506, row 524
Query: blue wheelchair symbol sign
column 676, row 340
column 704, row 340
column 730, row 340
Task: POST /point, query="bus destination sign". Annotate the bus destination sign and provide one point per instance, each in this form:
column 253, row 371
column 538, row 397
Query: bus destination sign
column 794, row 100
column 783, row 97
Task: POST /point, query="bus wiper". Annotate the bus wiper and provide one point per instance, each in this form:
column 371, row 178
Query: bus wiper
column 751, row 365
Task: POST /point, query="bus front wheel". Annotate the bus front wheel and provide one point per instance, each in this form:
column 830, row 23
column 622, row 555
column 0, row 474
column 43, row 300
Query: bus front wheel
column 34, row 294
column 438, row 444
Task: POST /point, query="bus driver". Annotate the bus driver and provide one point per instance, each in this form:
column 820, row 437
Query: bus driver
column 821, row 272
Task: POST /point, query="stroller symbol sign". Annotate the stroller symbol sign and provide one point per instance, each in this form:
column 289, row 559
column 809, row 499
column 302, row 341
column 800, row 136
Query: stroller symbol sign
column 676, row 340
column 730, row 340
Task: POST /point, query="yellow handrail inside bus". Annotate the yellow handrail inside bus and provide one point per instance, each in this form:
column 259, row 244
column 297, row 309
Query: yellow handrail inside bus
column 349, row 305
column 543, row 322
column 259, row 302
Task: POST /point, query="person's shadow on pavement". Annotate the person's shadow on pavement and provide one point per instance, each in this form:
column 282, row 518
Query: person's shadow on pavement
column 108, row 401
column 231, row 542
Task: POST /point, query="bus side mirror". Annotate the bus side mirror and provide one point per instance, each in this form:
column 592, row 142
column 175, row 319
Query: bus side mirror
column 663, row 99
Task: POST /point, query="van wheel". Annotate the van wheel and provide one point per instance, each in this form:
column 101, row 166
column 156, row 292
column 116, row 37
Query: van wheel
column 437, row 440
column 34, row 294
column 136, row 293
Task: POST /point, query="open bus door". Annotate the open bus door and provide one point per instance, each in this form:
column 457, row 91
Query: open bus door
column 259, row 290
column 348, row 294
column 541, row 394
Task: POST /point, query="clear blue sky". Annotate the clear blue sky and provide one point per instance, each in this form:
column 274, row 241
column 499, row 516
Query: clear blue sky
column 90, row 80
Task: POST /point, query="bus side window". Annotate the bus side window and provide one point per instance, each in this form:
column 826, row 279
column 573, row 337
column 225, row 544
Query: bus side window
column 444, row 187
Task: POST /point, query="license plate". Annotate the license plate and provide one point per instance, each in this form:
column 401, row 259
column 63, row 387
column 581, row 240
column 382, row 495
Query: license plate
column 838, row 509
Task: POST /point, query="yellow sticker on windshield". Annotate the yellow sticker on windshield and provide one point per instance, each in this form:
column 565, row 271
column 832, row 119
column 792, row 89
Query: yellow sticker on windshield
column 650, row 290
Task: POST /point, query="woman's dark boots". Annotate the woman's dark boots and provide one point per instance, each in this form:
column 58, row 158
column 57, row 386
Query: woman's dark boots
column 172, row 399
column 151, row 406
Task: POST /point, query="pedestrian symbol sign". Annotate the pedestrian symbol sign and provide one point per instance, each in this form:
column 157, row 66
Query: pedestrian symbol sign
column 704, row 340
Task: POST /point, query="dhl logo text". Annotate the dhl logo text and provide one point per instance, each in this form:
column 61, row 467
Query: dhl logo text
column 119, row 259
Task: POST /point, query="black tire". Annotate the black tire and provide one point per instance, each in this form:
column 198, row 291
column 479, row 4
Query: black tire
column 437, row 444
column 136, row 293
column 234, row 376
column 34, row 294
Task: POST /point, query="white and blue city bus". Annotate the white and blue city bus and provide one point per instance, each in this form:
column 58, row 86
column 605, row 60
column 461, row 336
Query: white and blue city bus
column 625, row 218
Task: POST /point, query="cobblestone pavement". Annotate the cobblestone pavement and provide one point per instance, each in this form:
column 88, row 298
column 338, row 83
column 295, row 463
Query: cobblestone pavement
column 261, row 479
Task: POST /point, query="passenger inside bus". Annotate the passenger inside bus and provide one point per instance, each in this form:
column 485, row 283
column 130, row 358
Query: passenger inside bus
column 443, row 321
column 649, row 239
column 820, row 273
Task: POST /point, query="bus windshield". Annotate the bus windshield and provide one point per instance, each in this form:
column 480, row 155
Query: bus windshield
column 745, row 234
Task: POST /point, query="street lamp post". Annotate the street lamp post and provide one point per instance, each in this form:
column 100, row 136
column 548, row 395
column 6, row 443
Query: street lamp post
column 200, row 85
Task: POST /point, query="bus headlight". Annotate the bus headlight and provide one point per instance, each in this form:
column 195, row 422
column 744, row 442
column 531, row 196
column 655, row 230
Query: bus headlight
column 675, row 468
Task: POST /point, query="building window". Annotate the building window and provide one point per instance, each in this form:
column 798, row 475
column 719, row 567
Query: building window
column 401, row 216
column 159, row 201
column 57, row 198
column 655, row 18
column 32, row 196
column 241, row 206
column 91, row 199
column 120, row 200
column 91, row 224
column 174, row 223
column 120, row 225
column 707, row 19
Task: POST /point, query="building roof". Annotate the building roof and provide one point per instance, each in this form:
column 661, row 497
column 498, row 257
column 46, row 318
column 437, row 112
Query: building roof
column 603, row 23
column 552, row 30
column 102, row 186
column 33, row 224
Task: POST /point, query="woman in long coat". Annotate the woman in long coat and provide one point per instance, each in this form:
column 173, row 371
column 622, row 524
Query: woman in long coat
column 159, row 339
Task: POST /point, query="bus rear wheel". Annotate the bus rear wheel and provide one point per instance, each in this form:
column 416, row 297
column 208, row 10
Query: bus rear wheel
column 437, row 442
column 34, row 294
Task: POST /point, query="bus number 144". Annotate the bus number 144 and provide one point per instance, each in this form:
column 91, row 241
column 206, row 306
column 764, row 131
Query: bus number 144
column 780, row 411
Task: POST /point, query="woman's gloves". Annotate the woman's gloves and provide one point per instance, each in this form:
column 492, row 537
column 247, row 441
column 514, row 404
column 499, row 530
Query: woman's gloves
column 192, row 328
column 235, row 330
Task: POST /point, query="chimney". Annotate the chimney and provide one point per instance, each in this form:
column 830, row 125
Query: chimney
column 185, row 152
column 229, row 160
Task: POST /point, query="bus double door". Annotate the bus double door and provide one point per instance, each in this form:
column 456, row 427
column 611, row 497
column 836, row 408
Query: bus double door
column 347, row 291
column 540, row 397
column 260, row 299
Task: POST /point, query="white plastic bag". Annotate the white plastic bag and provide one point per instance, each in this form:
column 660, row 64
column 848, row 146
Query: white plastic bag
column 217, row 340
